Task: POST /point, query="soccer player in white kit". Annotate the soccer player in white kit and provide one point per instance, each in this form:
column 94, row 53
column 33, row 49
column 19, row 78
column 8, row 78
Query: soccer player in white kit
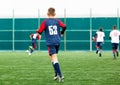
column 99, row 41
column 114, row 36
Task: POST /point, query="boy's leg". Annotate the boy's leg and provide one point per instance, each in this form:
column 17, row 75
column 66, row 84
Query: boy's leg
column 53, row 50
column 31, row 48
column 114, row 50
column 100, row 49
column 50, row 48
column 117, row 53
column 55, row 76
column 114, row 53
column 57, row 67
column 97, row 47
column 100, row 52
column 56, row 64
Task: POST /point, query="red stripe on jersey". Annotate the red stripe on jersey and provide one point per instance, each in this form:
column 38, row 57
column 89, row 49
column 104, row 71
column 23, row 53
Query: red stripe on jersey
column 42, row 27
column 61, row 24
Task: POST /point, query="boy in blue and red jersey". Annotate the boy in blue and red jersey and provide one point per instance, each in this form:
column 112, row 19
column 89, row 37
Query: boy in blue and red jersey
column 52, row 26
column 34, row 37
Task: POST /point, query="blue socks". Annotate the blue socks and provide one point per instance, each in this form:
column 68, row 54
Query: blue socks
column 54, row 69
column 31, row 50
column 57, row 69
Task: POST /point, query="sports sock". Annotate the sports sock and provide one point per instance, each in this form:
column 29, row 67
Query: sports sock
column 54, row 69
column 117, row 53
column 100, row 50
column 97, row 51
column 114, row 54
column 57, row 68
column 31, row 50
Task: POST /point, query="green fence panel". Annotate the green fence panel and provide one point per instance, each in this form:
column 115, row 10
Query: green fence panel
column 106, row 24
column 26, row 23
column 5, row 45
column 6, row 24
column 22, row 45
column 77, row 36
column 78, row 23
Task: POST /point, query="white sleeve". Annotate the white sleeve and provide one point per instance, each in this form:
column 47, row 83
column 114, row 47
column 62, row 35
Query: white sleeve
column 110, row 34
column 103, row 34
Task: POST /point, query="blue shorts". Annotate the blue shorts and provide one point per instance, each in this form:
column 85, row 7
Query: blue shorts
column 53, row 49
column 99, row 44
column 34, row 43
column 114, row 46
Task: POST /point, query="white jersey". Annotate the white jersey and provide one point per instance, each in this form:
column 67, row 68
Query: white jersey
column 35, row 36
column 100, row 36
column 115, row 36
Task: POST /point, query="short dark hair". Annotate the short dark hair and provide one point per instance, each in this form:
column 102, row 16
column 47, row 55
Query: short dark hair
column 114, row 27
column 51, row 11
column 100, row 29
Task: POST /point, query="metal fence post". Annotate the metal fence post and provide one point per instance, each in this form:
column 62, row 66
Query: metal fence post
column 90, row 29
column 13, row 32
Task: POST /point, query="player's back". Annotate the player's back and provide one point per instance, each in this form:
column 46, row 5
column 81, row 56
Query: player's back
column 52, row 31
column 115, row 36
column 100, row 36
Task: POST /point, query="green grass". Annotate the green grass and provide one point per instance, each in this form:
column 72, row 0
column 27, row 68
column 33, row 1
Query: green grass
column 79, row 68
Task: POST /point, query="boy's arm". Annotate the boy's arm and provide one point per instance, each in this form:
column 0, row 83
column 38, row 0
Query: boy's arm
column 109, row 38
column 110, row 35
column 63, row 30
column 31, row 36
column 94, row 36
column 63, row 27
column 39, row 36
column 41, row 28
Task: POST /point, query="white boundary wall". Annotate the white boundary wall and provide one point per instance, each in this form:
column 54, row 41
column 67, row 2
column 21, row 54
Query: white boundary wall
column 75, row 8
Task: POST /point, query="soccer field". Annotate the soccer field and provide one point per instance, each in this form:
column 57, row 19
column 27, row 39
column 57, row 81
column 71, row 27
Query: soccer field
column 79, row 68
